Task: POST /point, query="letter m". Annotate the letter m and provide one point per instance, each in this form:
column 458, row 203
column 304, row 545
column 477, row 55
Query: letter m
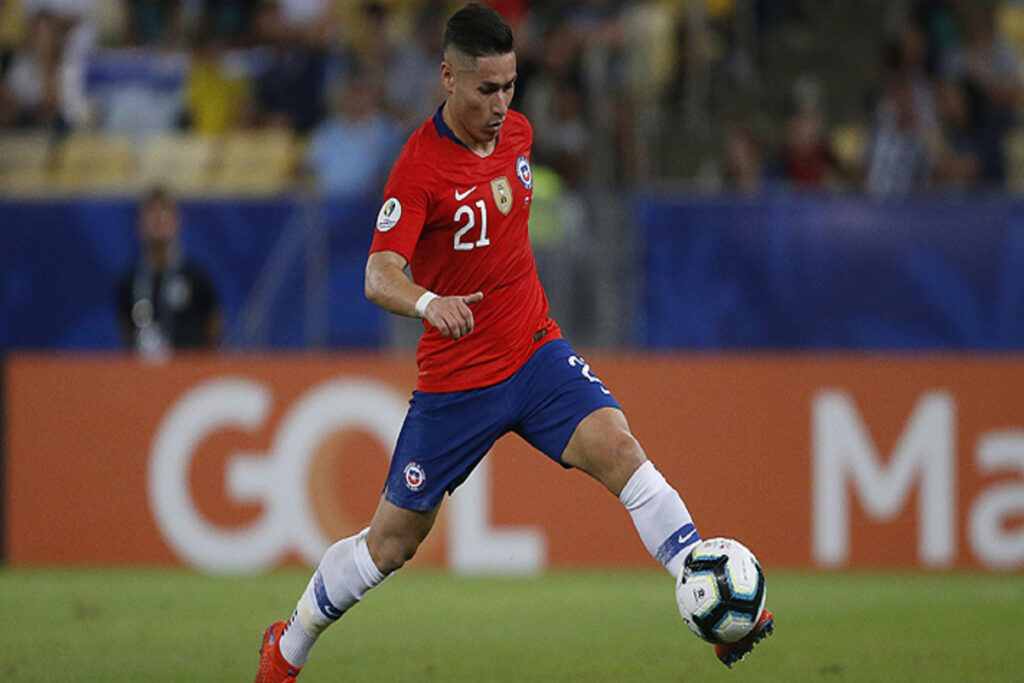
column 846, row 461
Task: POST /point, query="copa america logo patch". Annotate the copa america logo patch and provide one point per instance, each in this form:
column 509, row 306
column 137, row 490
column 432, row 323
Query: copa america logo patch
column 523, row 171
column 389, row 214
column 415, row 476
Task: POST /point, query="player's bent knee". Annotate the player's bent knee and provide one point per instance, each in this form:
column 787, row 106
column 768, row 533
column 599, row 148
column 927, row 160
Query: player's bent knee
column 391, row 552
column 396, row 533
column 607, row 451
column 621, row 459
column 626, row 451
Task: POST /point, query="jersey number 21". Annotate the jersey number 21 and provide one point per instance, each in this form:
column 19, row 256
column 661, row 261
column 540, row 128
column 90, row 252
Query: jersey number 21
column 465, row 212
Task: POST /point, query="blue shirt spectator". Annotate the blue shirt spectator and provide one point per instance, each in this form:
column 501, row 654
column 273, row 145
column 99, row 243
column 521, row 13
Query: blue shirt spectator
column 350, row 152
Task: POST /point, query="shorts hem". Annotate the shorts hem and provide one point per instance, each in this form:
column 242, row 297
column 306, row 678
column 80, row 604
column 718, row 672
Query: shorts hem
column 610, row 404
column 405, row 504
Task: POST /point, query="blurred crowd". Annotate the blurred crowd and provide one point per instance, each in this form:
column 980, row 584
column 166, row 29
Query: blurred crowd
column 937, row 105
column 620, row 93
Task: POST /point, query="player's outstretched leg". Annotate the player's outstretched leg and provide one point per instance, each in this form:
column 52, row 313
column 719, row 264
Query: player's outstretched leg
column 348, row 569
column 731, row 653
column 344, row 575
column 660, row 517
column 656, row 507
column 603, row 447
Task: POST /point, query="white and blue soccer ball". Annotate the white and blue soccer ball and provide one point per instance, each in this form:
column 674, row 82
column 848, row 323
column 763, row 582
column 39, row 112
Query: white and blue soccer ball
column 720, row 590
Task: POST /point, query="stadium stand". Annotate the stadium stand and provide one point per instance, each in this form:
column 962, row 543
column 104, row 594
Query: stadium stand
column 255, row 162
column 25, row 162
column 622, row 106
column 92, row 163
column 179, row 161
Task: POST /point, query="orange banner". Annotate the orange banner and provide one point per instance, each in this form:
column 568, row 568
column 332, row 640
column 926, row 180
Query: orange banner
column 238, row 463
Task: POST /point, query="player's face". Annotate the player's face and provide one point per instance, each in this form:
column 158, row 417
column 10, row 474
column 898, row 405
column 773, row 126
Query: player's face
column 479, row 93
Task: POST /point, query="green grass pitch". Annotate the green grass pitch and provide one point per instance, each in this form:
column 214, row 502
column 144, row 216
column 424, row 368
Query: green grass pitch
column 163, row 625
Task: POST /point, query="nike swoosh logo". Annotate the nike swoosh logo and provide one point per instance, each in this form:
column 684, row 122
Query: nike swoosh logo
column 459, row 196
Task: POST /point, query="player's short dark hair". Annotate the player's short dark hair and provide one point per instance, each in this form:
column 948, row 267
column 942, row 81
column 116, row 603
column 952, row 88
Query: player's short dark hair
column 478, row 31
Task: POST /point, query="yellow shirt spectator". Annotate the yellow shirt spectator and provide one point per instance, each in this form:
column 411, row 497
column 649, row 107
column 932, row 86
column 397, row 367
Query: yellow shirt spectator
column 215, row 98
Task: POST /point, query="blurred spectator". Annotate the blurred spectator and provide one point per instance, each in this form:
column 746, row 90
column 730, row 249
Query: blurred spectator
column 370, row 44
column 991, row 74
column 309, row 19
column 513, row 11
column 558, row 62
column 289, row 91
column 8, row 109
column 298, row 13
column 938, row 22
column 986, row 59
column 166, row 302
column 552, row 100
column 650, row 30
column 1010, row 19
column 154, row 22
column 218, row 94
column 557, row 229
column 414, row 91
column 351, row 152
column 595, row 77
column 807, row 157
column 564, row 137
column 741, row 166
column 76, row 35
column 959, row 163
column 37, row 80
column 10, row 25
column 905, row 137
column 909, row 56
column 902, row 142
column 10, row 35
column 229, row 20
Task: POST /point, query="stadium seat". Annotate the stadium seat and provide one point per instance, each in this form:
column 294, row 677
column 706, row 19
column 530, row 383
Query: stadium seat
column 180, row 161
column 91, row 162
column 25, row 162
column 256, row 162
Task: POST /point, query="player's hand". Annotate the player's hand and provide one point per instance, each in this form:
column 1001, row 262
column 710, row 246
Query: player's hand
column 451, row 315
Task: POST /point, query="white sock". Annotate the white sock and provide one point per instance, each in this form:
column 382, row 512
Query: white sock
column 660, row 517
column 345, row 573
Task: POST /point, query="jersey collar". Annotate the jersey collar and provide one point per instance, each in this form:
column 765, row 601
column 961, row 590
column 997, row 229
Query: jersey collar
column 444, row 131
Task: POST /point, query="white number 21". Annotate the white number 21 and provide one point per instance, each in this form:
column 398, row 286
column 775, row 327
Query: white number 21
column 465, row 212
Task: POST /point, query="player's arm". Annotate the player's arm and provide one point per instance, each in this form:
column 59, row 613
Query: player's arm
column 389, row 287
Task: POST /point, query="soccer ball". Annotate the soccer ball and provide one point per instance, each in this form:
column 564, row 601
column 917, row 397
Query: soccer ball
column 720, row 590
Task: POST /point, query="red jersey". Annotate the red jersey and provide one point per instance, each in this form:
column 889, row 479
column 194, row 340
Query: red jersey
column 460, row 220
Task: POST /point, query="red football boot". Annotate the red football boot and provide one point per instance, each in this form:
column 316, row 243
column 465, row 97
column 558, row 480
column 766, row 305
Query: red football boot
column 273, row 667
column 730, row 653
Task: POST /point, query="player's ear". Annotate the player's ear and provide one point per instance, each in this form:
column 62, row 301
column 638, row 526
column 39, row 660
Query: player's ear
column 448, row 76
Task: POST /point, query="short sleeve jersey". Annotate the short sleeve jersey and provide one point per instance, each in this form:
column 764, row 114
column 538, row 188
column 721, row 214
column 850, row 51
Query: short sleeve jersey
column 460, row 220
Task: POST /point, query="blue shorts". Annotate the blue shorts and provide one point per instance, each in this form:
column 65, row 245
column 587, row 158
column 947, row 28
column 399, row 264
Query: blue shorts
column 446, row 434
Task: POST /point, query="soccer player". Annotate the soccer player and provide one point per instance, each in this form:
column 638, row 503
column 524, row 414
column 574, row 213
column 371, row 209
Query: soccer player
column 490, row 360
